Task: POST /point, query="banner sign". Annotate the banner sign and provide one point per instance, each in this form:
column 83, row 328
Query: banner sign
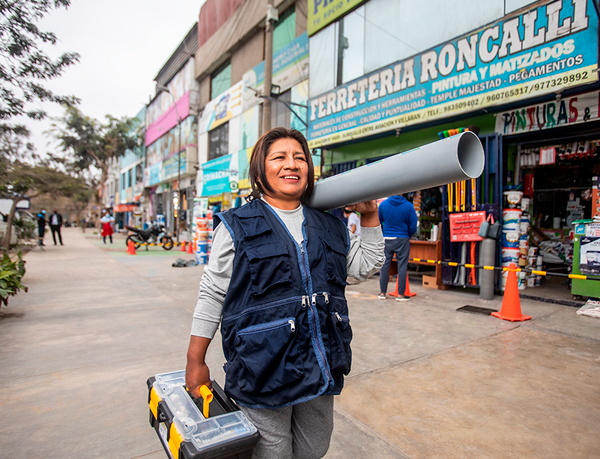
column 290, row 66
column 324, row 12
column 221, row 109
column 218, row 176
column 169, row 165
column 589, row 255
column 556, row 113
column 543, row 50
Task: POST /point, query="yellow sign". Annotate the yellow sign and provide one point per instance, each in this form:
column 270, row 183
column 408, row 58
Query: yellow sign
column 323, row 12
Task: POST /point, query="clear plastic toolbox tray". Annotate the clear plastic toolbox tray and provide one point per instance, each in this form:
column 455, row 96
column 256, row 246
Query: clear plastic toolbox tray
column 189, row 421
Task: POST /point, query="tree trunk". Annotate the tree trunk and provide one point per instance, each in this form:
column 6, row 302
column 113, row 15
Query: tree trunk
column 9, row 222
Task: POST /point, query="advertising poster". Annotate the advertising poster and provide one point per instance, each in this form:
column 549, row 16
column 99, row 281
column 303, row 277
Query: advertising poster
column 544, row 50
column 324, row 12
column 221, row 109
column 218, row 176
column 290, row 65
column 589, row 255
column 169, row 165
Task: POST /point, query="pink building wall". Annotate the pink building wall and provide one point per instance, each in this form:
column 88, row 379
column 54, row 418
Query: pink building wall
column 168, row 120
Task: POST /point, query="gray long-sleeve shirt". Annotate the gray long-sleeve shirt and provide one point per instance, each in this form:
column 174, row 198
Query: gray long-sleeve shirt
column 365, row 258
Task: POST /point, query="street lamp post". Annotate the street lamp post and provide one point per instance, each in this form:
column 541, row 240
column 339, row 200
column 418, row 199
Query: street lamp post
column 162, row 88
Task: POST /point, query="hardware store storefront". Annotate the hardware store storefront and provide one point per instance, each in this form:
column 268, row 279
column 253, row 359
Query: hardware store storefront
column 471, row 82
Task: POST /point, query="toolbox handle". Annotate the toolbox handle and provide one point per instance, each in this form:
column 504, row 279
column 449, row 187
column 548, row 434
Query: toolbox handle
column 207, row 396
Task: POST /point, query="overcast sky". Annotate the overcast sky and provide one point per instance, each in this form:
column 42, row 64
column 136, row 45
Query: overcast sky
column 123, row 44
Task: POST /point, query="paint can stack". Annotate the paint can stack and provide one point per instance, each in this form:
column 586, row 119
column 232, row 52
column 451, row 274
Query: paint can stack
column 512, row 218
column 202, row 240
column 534, row 262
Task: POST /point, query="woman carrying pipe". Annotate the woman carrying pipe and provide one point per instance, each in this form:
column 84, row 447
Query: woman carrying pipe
column 275, row 282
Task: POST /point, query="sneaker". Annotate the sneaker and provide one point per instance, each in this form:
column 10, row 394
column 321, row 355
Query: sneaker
column 382, row 296
column 402, row 298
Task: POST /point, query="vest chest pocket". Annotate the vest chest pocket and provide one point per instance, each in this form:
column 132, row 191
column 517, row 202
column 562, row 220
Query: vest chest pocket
column 269, row 266
column 335, row 254
column 267, row 357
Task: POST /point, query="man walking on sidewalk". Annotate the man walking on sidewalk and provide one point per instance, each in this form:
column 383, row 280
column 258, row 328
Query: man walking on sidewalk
column 56, row 222
column 399, row 221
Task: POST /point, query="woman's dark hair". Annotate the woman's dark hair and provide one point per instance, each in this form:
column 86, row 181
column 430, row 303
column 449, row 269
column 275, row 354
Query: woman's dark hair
column 258, row 176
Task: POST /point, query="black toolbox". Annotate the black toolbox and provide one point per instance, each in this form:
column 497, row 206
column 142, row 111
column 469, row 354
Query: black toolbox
column 184, row 431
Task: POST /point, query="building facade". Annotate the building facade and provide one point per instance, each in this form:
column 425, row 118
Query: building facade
column 389, row 76
column 126, row 208
column 171, row 139
column 230, row 72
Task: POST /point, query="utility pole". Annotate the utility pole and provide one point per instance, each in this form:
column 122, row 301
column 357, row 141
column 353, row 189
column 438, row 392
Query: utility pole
column 272, row 18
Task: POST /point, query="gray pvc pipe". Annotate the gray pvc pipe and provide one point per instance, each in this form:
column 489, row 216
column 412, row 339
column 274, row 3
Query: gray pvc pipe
column 450, row 160
column 487, row 257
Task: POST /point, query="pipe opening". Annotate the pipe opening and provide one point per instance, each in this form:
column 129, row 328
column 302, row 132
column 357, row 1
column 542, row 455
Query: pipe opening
column 471, row 157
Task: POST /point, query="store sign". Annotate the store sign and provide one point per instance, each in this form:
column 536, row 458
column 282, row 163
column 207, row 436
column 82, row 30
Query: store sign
column 125, row 208
column 221, row 109
column 547, row 156
column 544, row 50
column 589, row 255
column 324, row 12
column 218, row 176
column 169, row 166
column 290, row 66
column 564, row 112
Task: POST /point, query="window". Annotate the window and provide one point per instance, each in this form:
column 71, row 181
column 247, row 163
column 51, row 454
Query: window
column 129, row 177
column 218, row 141
column 139, row 174
column 123, row 181
column 381, row 32
column 351, row 46
column 280, row 114
column 285, row 29
column 322, row 60
column 514, row 5
column 220, row 81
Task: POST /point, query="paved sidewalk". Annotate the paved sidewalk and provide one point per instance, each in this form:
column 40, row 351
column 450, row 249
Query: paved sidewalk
column 427, row 381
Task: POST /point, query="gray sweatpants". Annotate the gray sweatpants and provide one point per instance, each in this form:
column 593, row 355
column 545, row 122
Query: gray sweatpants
column 299, row 431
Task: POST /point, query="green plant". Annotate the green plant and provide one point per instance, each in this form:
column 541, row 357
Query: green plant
column 11, row 273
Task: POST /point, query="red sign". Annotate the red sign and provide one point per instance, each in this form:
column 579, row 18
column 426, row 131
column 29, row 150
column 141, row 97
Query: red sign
column 465, row 226
column 125, row 207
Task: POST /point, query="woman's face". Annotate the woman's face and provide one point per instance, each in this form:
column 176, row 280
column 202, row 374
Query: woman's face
column 286, row 170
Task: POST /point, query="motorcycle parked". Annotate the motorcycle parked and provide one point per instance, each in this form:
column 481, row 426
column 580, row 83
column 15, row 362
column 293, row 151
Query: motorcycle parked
column 156, row 234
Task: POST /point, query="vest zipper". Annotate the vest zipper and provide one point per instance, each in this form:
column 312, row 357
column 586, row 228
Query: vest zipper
column 314, row 312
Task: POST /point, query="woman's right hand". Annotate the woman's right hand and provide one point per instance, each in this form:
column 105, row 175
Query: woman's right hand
column 197, row 375
column 197, row 372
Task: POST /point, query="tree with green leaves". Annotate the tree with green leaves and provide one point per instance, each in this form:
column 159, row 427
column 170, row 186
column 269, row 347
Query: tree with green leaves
column 23, row 174
column 90, row 143
column 24, row 66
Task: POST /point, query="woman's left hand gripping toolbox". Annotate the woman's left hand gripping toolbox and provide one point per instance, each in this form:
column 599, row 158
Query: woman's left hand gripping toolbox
column 186, row 433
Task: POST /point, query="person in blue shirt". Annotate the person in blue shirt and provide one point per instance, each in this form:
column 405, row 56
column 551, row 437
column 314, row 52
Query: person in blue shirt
column 399, row 221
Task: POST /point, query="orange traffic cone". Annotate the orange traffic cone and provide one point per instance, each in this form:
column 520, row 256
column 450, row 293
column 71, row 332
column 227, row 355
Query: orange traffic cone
column 407, row 291
column 511, row 304
column 131, row 248
column 182, row 247
column 190, row 248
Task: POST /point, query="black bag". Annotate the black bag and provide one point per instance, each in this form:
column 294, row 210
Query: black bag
column 489, row 230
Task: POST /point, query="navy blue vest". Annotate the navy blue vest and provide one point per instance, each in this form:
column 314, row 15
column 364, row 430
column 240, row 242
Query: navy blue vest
column 286, row 333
